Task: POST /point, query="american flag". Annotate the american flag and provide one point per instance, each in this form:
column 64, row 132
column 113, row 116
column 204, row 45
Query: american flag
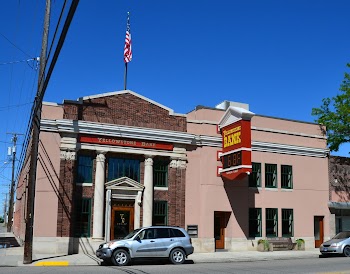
column 127, row 47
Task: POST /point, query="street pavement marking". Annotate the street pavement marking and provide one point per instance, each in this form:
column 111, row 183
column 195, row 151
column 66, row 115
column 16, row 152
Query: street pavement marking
column 64, row 263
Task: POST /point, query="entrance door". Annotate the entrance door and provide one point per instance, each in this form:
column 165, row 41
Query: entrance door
column 122, row 222
column 318, row 230
column 219, row 229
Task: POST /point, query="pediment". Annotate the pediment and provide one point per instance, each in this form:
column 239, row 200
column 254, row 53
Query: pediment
column 234, row 114
column 122, row 92
column 124, row 183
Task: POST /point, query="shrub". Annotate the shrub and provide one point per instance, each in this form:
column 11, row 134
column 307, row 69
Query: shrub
column 299, row 242
column 265, row 243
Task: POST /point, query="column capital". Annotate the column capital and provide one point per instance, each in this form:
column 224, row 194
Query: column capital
column 101, row 156
column 178, row 163
column 68, row 155
column 148, row 160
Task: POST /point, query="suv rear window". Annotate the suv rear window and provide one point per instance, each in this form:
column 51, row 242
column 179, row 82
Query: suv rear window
column 162, row 233
column 176, row 233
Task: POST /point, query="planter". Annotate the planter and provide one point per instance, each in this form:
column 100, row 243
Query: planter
column 299, row 244
column 265, row 247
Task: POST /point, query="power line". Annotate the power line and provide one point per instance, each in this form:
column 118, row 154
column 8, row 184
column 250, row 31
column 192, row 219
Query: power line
column 22, row 61
column 13, row 44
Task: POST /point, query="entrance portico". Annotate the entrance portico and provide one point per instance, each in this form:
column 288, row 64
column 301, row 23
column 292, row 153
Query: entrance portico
column 123, row 190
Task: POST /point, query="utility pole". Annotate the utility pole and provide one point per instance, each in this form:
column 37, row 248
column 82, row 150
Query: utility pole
column 28, row 241
column 5, row 210
column 12, row 187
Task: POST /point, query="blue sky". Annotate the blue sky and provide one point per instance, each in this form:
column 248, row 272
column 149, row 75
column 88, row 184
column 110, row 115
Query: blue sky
column 280, row 57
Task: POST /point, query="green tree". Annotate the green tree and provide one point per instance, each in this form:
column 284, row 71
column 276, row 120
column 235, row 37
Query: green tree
column 334, row 113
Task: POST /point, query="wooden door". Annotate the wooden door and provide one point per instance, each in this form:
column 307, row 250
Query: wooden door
column 122, row 222
column 219, row 230
column 318, row 230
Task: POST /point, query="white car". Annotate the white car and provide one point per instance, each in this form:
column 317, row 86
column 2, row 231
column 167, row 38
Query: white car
column 148, row 242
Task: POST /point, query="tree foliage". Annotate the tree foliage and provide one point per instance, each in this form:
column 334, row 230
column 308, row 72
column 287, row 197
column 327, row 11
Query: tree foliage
column 334, row 113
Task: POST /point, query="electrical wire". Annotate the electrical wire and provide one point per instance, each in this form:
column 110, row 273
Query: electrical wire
column 13, row 44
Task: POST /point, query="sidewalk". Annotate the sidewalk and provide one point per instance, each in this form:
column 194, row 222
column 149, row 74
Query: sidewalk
column 13, row 256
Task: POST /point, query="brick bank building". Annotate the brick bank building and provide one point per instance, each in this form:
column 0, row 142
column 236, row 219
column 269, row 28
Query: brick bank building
column 113, row 162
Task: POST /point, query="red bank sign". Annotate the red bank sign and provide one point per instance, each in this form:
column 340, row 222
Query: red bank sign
column 124, row 142
column 236, row 150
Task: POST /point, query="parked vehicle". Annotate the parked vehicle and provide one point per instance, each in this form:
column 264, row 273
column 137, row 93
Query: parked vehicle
column 339, row 244
column 148, row 242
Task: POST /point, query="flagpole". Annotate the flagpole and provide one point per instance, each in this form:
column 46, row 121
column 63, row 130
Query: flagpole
column 125, row 75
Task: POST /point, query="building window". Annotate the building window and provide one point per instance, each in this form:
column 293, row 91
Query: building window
column 118, row 167
column 271, row 175
column 271, row 222
column 286, row 176
column 160, row 174
column 254, row 222
column 84, row 170
column 255, row 176
column 82, row 217
column 287, row 222
column 160, row 213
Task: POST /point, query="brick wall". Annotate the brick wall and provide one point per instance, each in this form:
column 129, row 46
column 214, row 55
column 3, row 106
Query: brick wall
column 124, row 109
column 175, row 196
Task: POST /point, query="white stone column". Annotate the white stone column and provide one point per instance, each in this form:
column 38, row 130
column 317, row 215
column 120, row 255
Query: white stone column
column 137, row 210
column 147, row 203
column 97, row 232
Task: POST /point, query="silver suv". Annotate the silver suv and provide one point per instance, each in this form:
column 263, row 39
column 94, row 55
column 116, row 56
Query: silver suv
column 148, row 242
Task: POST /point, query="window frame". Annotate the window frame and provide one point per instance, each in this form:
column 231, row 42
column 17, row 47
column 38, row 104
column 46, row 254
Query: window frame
column 255, row 176
column 269, row 173
column 160, row 169
column 257, row 212
column 157, row 214
column 275, row 220
column 290, row 222
column 288, row 175
column 82, row 167
column 88, row 204
column 125, row 167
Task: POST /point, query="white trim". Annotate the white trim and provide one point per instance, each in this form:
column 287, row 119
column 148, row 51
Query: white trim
column 235, row 150
column 290, row 149
column 202, row 122
column 235, row 114
column 289, row 132
column 234, row 168
column 271, row 188
column 84, row 127
column 161, row 188
column 83, row 184
column 51, row 104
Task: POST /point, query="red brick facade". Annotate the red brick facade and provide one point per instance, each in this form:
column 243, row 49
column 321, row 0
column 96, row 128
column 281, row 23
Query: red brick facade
column 122, row 109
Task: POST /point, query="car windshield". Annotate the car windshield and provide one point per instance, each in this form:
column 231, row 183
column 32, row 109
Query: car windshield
column 342, row 235
column 131, row 234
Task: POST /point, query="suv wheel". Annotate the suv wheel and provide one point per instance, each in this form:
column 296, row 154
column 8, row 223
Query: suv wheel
column 177, row 256
column 120, row 257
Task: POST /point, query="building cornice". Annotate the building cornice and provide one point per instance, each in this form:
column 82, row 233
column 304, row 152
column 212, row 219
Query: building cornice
column 289, row 132
column 184, row 138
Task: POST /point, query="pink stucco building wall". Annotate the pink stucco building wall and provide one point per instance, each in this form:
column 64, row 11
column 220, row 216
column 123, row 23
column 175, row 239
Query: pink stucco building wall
column 274, row 141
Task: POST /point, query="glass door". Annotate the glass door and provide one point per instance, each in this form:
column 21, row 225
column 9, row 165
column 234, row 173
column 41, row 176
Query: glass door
column 122, row 222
